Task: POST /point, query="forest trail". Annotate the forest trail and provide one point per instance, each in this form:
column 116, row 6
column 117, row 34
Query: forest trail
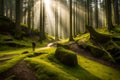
column 52, row 44
column 19, row 72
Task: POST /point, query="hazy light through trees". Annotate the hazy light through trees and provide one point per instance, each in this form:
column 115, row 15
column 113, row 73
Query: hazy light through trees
column 63, row 14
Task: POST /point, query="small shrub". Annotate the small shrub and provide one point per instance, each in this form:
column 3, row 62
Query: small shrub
column 66, row 57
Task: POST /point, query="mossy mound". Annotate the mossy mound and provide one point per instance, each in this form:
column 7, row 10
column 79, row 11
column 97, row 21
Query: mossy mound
column 12, row 44
column 98, row 37
column 95, row 51
column 66, row 57
column 6, row 25
column 105, row 43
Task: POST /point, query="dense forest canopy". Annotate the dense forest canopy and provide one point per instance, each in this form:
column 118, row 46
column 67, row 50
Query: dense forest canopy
column 54, row 14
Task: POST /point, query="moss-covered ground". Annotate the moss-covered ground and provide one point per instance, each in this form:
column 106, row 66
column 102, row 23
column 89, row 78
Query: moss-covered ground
column 47, row 67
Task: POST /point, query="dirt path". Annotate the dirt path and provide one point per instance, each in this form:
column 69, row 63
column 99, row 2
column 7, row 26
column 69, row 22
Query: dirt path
column 20, row 71
column 79, row 51
column 52, row 44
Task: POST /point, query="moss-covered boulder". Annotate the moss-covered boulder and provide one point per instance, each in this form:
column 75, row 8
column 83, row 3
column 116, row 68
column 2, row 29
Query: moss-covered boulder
column 66, row 57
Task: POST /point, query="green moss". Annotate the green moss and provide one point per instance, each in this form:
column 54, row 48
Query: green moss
column 49, row 37
column 84, row 37
column 23, row 25
column 66, row 46
column 78, row 72
column 99, row 70
column 10, row 63
column 95, row 51
column 47, row 71
column 98, row 37
column 65, row 56
column 47, row 67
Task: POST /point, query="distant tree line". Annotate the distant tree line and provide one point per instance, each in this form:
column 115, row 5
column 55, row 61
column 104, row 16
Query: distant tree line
column 96, row 13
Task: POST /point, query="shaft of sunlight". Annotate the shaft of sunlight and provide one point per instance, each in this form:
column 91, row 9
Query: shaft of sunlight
column 47, row 2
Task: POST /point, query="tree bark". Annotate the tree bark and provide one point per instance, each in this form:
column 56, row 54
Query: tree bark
column 41, row 20
column 11, row 11
column 56, row 20
column 1, row 7
column 29, row 17
column 108, row 14
column 18, row 14
column 116, row 11
column 70, row 36
column 96, row 13
column 43, row 34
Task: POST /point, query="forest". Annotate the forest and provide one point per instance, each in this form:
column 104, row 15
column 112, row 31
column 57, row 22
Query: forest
column 59, row 39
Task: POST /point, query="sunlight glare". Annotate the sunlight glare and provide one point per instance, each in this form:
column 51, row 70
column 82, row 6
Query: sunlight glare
column 47, row 2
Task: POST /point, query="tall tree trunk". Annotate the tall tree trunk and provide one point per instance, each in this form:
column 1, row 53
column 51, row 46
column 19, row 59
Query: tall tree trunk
column 77, row 29
column 56, row 19
column 91, row 17
column 70, row 36
column 44, row 11
column 116, row 11
column 11, row 11
column 108, row 14
column 61, row 19
column 32, row 15
column 87, row 13
column 74, row 28
column 29, row 17
column 25, row 12
column 1, row 7
column 18, row 14
column 41, row 20
column 22, row 11
column 96, row 13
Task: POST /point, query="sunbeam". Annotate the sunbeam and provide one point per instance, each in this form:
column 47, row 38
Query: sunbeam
column 47, row 2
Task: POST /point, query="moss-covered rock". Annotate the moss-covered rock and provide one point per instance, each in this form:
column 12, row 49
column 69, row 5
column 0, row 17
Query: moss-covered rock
column 66, row 57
